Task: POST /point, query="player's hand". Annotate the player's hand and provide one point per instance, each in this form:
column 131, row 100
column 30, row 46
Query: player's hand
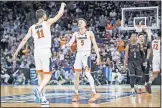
column 63, row 4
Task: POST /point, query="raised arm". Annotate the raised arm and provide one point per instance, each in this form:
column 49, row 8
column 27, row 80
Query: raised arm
column 23, row 42
column 58, row 16
column 95, row 47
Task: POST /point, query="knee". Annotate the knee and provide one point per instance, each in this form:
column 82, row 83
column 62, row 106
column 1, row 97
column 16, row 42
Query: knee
column 155, row 74
column 76, row 74
column 86, row 69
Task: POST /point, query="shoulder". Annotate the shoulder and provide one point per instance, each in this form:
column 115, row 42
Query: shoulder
column 75, row 33
column 91, row 34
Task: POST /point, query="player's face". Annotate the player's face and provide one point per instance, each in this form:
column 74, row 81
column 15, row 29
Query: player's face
column 141, row 38
column 134, row 37
column 81, row 24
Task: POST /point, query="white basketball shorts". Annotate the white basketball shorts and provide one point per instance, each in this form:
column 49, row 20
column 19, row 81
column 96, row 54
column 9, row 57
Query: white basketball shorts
column 82, row 60
column 42, row 59
column 156, row 63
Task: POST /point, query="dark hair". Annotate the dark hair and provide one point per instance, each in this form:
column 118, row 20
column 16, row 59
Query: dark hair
column 40, row 13
column 134, row 33
column 130, row 34
column 159, row 33
column 140, row 34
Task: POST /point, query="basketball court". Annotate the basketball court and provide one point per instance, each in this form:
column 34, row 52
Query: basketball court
column 60, row 96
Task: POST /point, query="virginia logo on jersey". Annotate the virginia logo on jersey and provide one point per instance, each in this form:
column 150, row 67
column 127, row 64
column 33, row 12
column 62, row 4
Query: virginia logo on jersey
column 84, row 37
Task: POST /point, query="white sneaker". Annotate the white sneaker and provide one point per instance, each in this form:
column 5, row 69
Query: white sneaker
column 44, row 101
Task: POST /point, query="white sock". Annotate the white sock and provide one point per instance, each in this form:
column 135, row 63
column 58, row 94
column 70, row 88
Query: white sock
column 76, row 91
column 94, row 91
column 91, row 81
column 133, row 90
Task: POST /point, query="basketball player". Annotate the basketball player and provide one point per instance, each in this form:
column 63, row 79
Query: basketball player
column 155, row 62
column 84, row 39
column 42, row 52
column 147, row 49
column 134, row 55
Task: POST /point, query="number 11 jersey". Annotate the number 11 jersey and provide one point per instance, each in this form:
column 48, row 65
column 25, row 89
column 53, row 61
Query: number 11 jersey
column 42, row 36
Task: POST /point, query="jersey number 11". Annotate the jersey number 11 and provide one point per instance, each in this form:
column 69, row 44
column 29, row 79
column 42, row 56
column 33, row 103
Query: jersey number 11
column 40, row 34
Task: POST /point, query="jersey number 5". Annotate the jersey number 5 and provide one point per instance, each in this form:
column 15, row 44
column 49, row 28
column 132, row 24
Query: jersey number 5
column 82, row 42
column 156, row 46
column 40, row 34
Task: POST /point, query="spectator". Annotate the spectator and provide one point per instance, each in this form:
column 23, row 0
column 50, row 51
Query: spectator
column 56, row 45
column 109, row 27
column 62, row 41
column 113, row 13
column 4, row 75
column 102, row 22
column 120, row 49
column 20, row 78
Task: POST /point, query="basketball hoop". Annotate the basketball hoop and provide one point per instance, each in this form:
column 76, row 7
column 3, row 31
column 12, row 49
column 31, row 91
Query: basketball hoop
column 139, row 28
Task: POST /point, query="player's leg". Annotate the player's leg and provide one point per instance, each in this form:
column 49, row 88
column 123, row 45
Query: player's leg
column 39, row 72
column 132, row 76
column 139, row 78
column 47, row 72
column 77, row 69
column 156, row 70
column 86, row 60
column 146, row 75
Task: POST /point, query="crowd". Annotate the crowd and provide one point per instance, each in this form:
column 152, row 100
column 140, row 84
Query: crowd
column 104, row 19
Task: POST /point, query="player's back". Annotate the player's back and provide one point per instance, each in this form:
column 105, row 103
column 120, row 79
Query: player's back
column 83, row 41
column 42, row 36
column 156, row 47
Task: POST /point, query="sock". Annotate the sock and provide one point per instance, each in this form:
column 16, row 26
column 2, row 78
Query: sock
column 91, row 81
column 76, row 91
column 150, row 82
column 76, row 81
column 133, row 90
column 94, row 91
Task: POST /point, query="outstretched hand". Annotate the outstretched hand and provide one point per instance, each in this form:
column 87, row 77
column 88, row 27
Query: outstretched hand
column 63, row 4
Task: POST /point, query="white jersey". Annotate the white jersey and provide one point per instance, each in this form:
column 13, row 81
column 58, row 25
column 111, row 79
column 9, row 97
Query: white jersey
column 42, row 36
column 156, row 47
column 83, row 41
